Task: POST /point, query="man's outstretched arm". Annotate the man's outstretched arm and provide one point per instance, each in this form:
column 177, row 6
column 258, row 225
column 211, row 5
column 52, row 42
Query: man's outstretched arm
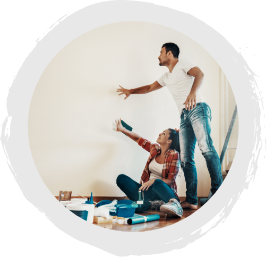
column 139, row 90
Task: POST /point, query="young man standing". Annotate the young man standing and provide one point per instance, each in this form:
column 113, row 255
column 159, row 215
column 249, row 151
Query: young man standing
column 183, row 81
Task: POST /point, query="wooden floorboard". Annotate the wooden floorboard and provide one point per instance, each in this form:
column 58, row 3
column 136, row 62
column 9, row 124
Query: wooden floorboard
column 164, row 220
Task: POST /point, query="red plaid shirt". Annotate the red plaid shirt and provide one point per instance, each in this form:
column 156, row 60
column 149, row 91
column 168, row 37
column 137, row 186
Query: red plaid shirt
column 170, row 166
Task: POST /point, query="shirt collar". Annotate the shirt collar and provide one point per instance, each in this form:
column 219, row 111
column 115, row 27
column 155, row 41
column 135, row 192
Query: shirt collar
column 168, row 151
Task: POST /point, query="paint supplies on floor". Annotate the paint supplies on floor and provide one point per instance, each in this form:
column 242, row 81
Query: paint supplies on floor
column 82, row 208
column 141, row 219
column 64, row 203
column 102, row 211
column 141, row 199
column 73, row 201
column 103, row 220
column 64, row 196
column 135, row 219
column 122, row 208
column 111, row 206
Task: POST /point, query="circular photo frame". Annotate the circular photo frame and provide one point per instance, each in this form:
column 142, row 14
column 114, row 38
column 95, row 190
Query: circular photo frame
column 179, row 234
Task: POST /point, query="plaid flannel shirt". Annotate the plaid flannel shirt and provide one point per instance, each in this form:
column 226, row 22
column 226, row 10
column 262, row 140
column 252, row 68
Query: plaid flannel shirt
column 170, row 166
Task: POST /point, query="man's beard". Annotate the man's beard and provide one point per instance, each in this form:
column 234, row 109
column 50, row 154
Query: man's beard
column 162, row 63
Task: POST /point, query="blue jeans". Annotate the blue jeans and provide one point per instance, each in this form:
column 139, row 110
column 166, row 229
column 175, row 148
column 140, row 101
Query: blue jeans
column 158, row 191
column 195, row 126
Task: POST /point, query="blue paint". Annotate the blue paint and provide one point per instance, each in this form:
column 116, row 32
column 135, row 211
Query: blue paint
column 81, row 214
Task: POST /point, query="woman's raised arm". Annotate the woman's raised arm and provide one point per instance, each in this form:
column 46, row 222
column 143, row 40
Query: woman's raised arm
column 128, row 133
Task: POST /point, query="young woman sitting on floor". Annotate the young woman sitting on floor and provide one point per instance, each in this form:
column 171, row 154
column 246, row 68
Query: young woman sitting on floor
column 158, row 178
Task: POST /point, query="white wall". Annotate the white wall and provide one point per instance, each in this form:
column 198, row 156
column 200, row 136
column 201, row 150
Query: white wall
column 75, row 103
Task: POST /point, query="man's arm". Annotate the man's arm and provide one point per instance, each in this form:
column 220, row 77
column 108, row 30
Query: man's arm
column 139, row 90
column 190, row 101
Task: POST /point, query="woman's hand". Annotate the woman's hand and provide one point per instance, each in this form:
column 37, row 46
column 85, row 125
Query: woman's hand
column 147, row 185
column 118, row 126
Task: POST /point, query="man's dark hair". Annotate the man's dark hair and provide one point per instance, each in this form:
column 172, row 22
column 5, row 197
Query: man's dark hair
column 174, row 136
column 173, row 48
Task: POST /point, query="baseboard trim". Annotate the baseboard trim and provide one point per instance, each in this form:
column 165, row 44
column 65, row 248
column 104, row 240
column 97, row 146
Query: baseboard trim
column 111, row 198
column 100, row 198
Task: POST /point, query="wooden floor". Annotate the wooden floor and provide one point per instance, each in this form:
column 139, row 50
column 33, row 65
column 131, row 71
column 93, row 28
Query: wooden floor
column 164, row 220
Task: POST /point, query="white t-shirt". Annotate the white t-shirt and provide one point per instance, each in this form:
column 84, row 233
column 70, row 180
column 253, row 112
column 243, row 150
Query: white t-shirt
column 180, row 83
column 155, row 169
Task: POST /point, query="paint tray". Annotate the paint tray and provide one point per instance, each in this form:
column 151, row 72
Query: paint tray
column 124, row 208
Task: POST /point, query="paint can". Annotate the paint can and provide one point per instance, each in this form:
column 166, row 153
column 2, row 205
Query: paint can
column 82, row 211
column 64, row 203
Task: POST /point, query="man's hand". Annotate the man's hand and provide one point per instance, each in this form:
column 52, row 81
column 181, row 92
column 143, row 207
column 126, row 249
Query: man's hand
column 122, row 91
column 190, row 101
column 147, row 185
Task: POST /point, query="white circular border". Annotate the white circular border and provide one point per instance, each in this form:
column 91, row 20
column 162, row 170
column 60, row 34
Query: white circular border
column 181, row 233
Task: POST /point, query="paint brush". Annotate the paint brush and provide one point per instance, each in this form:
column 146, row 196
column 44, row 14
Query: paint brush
column 85, row 198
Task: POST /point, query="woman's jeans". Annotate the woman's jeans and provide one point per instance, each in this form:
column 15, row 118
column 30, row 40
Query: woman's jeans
column 158, row 191
column 195, row 126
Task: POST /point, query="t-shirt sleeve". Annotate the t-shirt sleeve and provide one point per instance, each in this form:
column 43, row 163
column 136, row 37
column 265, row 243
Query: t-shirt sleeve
column 162, row 79
column 187, row 65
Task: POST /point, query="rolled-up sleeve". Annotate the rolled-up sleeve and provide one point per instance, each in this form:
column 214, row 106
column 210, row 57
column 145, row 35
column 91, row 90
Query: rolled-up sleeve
column 145, row 144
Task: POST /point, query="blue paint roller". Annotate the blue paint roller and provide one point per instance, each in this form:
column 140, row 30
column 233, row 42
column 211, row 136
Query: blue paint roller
column 142, row 219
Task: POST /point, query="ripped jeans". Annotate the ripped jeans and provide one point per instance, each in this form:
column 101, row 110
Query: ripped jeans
column 195, row 126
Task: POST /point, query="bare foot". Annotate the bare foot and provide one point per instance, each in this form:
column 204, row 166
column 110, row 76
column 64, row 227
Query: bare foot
column 186, row 205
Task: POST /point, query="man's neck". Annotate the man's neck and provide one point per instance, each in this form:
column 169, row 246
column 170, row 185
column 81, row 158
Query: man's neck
column 172, row 64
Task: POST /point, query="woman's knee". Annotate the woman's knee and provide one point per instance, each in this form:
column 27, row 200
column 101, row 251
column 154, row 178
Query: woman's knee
column 158, row 182
column 120, row 179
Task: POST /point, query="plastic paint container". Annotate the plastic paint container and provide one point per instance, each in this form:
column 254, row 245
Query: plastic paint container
column 125, row 208
column 81, row 214
column 79, row 210
column 90, row 208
